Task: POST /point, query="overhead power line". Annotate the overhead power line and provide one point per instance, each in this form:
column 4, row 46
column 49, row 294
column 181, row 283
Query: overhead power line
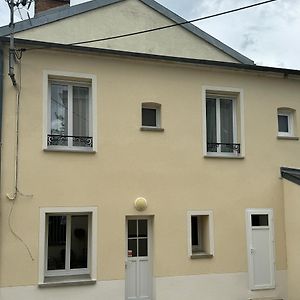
column 158, row 28
column 172, row 25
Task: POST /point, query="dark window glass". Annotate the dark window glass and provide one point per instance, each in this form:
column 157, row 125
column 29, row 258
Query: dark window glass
column 211, row 120
column 143, row 247
column 132, row 246
column 195, row 234
column 259, row 220
column 142, row 228
column 283, row 123
column 56, row 242
column 149, row 117
column 132, row 228
column 79, row 242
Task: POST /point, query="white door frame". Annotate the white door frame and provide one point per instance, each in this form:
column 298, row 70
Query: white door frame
column 263, row 211
column 150, row 249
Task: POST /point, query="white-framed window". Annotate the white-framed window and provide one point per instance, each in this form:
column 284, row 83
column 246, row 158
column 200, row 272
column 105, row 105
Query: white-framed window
column 200, row 234
column 286, row 123
column 223, row 122
column 70, row 111
column 151, row 116
column 67, row 244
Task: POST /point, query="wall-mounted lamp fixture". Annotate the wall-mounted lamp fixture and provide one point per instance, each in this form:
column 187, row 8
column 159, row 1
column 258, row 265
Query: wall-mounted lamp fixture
column 140, row 204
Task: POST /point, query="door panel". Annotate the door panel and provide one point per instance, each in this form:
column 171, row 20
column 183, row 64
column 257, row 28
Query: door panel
column 261, row 257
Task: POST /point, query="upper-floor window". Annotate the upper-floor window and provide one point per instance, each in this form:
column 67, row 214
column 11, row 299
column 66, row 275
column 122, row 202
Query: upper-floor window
column 70, row 114
column 151, row 117
column 286, row 122
column 222, row 123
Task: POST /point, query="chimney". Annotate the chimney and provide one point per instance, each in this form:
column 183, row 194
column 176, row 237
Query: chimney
column 44, row 5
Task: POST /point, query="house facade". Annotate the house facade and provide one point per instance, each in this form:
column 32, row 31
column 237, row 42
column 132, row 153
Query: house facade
column 138, row 168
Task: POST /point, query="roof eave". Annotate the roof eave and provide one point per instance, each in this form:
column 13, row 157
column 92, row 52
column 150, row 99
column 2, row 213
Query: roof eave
column 154, row 57
column 291, row 174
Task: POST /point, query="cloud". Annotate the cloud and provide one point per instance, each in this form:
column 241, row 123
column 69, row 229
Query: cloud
column 248, row 41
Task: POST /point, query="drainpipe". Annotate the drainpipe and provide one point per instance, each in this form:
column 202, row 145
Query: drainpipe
column 1, row 107
column 1, row 96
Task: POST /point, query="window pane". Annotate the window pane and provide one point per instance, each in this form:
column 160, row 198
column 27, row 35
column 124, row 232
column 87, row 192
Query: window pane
column 143, row 247
column 132, row 228
column 143, row 228
column 149, row 117
column 79, row 242
column 226, row 114
column 195, row 234
column 132, row 246
column 59, row 112
column 211, row 129
column 283, row 123
column 80, row 114
column 56, row 242
column 260, row 220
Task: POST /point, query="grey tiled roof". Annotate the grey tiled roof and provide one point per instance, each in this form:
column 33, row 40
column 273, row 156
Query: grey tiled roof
column 66, row 12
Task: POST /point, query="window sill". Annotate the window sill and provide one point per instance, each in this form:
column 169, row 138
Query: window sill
column 69, row 149
column 201, row 255
column 67, row 281
column 233, row 156
column 286, row 137
column 157, row 129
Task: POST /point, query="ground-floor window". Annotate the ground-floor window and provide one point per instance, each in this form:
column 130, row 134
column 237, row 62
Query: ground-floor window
column 200, row 234
column 68, row 238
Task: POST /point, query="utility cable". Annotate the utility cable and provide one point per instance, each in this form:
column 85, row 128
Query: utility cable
column 14, row 197
column 158, row 28
column 172, row 25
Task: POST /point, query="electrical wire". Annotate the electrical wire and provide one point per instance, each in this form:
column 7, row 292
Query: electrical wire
column 14, row 197
column 158, row 28
column 15, row 234
column 172, row 25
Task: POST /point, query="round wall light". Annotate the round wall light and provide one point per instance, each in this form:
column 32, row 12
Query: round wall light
column 140, row 204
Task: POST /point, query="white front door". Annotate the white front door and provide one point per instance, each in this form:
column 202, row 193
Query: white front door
column 138, row 259
column 261, row 259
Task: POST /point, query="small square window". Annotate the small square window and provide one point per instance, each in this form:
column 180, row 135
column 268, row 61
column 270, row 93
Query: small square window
column 200, row 234
column 259, row 220
column 283, row 123
column 286, row 124
column 151, row 117
column 69, row 245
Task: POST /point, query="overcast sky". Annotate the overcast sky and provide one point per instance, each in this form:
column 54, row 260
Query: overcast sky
column 268, row 34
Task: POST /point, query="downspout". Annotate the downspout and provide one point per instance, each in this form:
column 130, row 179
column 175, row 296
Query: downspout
column 1, row 98
column 1, row 108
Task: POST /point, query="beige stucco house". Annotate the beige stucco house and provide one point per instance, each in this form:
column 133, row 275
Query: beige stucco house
column 157, row 166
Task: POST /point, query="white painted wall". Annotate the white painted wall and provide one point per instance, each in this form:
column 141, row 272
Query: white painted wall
column 209, row 287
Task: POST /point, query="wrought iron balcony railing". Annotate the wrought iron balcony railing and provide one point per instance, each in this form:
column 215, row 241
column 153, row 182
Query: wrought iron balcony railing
column 225, row 147
column 69, row 140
